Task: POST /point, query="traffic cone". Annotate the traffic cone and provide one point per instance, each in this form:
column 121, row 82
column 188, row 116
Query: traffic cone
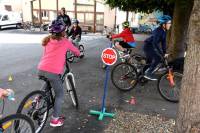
column 10, row 78
column 132, row 101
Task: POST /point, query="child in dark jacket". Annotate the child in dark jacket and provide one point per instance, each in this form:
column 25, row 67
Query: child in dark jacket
column 152, row 48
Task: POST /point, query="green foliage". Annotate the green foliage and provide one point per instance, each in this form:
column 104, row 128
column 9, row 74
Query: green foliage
column 146, row 6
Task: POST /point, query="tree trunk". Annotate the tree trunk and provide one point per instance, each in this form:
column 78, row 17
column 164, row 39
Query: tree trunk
column 178, row 35
column 188, row 120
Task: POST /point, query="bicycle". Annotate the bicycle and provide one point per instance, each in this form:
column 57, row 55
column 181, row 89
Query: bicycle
column 15, row 123
column 37, row 104
column 125, row 77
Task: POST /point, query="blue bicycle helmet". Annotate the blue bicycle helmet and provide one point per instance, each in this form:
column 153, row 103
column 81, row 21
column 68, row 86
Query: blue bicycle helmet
column 163, row 19
column 57, row 26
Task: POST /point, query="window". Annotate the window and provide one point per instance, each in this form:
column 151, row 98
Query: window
column 84, row 8
column 99, row 19
column 80, row 17
column 85, row 2
column 89, row 18
column 45, row 13
column 5, row 18
column 8, row 7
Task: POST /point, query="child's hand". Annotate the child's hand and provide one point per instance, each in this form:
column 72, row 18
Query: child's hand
column 3, row 93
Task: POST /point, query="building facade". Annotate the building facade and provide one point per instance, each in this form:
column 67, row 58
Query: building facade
column 89, row 12
column 11, row 5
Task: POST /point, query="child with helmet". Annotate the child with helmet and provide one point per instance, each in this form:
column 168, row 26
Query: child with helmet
column 127, row 36
column 75, row 32
column 155, row 46
column 52, row 64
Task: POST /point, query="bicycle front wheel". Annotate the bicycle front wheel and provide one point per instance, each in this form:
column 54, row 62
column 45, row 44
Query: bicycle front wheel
column 167, row 91
column 124, row 76
column 82, row 52
column 70, row 86
column 17, row 123
column 36, row 106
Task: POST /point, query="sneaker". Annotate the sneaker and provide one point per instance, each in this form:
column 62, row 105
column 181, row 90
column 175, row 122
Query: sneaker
column 57, row 122
column 150, row 77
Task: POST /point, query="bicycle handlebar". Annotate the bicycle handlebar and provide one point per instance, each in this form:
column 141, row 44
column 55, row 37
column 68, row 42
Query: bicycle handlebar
column 7, row 93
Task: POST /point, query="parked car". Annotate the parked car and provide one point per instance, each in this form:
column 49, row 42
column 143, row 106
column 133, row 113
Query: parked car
column 144, row 28
column 10, row 19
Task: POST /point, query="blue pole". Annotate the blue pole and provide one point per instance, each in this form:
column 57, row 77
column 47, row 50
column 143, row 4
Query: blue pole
column 105, row 85
column 105, row 88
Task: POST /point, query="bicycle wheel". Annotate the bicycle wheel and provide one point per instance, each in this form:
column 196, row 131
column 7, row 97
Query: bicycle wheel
column 81, row 48
column 70, row 86
column 124, row 76
column 70, row 57
column 168, row 91
column 17, row 123
column 36, row 106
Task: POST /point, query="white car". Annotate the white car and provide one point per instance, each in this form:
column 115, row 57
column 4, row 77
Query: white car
column 10, row 19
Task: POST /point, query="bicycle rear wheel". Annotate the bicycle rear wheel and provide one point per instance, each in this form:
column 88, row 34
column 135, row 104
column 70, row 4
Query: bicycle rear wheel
column 36, row 106
column 17, row 123
column 167, row 91
column 124, row 76
column 70, row 86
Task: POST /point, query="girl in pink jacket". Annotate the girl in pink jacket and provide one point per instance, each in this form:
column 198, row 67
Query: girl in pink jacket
column 52, row 64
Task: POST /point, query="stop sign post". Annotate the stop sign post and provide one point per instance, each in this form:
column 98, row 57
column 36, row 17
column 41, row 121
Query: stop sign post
column 109, row 57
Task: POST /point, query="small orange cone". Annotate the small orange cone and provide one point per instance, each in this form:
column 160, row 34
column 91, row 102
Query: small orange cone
column 132, row 101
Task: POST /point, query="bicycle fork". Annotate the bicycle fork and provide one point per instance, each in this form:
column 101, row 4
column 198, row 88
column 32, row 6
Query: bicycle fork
column 170, row 77
column 67, row 80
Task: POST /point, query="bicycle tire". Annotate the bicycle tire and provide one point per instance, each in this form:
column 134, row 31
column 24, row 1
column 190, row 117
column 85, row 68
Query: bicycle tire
column 34, row 113
column 132, row 81
column 72, row 92
column 160, row 86
column 14, row 119
column 82, row 52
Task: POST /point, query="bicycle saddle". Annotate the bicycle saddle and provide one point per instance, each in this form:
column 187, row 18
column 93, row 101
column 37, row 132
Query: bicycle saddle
column 43, row 78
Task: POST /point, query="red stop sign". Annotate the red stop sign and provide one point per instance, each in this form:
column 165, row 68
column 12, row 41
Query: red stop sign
column 109, row 56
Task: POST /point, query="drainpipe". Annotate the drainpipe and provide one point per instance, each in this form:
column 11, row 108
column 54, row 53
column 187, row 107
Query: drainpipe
column 95, row 13
column 40, row 13
column 75, row 8
column 31, row 2
column 57, row 6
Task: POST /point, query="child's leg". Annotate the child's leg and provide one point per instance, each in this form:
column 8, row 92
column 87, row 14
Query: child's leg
column 57, row 85
column 119, row 47
column 59, row 95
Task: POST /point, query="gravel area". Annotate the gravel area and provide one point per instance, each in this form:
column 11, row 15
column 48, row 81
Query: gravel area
column 127, row 122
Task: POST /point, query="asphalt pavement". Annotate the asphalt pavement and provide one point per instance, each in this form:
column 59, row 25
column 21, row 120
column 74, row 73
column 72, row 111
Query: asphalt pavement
column 20, row 60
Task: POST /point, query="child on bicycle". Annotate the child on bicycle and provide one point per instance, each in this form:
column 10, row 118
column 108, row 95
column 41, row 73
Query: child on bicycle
column 75, row 32
column 52, row 63
column 127, row 36
column 152, row 48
